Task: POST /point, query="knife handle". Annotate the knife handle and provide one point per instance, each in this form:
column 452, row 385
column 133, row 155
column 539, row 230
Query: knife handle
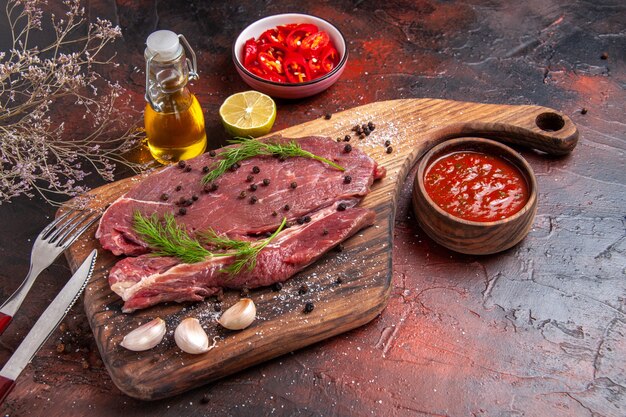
column 5, row 319
column 6, row 385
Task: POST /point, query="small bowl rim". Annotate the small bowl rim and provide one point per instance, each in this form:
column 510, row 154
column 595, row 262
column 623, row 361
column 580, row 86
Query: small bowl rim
column 527, row 172
column 241, row 67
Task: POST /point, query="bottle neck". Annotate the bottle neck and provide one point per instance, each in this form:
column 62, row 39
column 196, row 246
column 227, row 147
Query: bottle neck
column 165, row 79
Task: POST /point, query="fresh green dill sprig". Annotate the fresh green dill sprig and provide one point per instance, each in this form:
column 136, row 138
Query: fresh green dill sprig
column 246, row 251
column 166, row 238
column 249, row 148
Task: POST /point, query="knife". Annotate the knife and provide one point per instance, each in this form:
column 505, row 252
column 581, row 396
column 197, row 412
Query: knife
column 47, row 323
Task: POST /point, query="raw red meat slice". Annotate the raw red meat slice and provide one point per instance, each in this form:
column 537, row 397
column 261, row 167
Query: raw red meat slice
column 146, row 280
column 317, row 186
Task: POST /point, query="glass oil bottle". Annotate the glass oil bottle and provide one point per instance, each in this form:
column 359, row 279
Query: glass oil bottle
column 173, row 117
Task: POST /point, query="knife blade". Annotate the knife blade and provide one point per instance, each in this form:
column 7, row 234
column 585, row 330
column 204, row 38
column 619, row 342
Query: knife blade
column 47, row 323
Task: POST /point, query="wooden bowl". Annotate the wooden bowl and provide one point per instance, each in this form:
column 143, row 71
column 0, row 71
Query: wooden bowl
column 473, row 237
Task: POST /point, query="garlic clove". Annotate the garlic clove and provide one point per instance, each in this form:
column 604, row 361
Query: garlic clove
column 239, row 316
column 145, row 336
column 191, row 337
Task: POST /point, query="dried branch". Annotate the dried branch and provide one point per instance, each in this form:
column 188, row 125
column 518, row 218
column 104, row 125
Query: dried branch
column 38, row 154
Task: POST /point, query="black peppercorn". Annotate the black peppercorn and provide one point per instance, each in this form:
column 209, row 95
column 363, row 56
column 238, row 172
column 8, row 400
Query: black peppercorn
column 165, row 197
column 293, row 184
column 605, row 55
column 181, row 164
column 362, row 135
column 217, row 307
column 234, row 167
column 253, row 187
column 347, row 179
column 242, row 194
column 256, row 169
column 355, row 128
column 327, row 116
column 389, row 149
column 266, row 181
column 341, row 207
column 347, row 148
column 303, row 289
column 205, row 169
column 371, row 125
column 274, row 214
column 179, row 187
column 583, row 110
column 212, row 153
column 307, row 219
column 338, row 139
column 387, row 142
column 300, row 220
column 308, row 307
column 182, row 211
column 339, row 280
column 346, row 138
column 253, row 199
column 194, row 197
column 366, row 130
column 325, row 232
column 287, row 207
column 249, row 178
column 187, row 168
column 277, row 286
column 187, row 203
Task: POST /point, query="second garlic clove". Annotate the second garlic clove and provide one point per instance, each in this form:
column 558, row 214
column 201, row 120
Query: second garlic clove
column 239, row 316
column 145, row 336
column 191, row 337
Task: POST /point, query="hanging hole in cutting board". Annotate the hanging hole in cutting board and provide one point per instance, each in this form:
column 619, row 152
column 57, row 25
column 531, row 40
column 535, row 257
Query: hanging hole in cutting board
column 550, row 122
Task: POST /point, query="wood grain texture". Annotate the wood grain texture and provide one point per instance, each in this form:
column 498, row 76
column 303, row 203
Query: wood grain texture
column 412, row 126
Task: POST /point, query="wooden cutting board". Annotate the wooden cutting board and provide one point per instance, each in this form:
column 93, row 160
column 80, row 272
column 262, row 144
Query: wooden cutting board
column 348, row 288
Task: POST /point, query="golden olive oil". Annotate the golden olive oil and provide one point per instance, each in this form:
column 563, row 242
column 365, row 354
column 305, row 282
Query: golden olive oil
column 173, row 117
column 177, row 132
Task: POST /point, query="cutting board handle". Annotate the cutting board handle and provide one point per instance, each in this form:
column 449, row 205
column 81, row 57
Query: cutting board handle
column 534, row 127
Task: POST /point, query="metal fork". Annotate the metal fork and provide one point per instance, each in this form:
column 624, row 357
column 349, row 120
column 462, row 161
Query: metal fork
column 50, row 243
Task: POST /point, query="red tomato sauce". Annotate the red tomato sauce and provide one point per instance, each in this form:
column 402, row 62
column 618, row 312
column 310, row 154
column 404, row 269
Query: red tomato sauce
column 476, row 186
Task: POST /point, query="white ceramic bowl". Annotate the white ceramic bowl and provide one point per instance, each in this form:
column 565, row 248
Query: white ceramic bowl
column 289, row 90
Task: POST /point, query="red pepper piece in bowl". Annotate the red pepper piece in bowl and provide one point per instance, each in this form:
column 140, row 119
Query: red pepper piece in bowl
column 296, row 36
column 313, row 45
column 250, row 51
column 296, row 68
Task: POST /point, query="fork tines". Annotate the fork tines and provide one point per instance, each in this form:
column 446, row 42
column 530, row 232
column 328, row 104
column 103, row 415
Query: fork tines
column 64, row 230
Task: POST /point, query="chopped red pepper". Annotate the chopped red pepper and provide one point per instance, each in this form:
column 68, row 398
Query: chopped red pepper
column 270, row 64
column 314, row 44
column 296, row 69
column 293, row 53
column 250, row 52
column 294, row 39
column 330, row 59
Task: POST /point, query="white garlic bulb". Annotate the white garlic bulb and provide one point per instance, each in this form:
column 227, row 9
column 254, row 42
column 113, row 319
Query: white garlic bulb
column 145, row 336
column 239, row 316
column 191, row 337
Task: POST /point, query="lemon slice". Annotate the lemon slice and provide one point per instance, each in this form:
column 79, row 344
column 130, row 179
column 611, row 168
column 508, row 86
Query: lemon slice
column 249, row 113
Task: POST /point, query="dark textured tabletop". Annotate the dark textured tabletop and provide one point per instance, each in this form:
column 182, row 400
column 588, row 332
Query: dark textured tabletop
column 537, row 330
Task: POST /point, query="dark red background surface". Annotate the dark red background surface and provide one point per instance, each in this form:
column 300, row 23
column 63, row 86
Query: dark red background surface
column 535, row 331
